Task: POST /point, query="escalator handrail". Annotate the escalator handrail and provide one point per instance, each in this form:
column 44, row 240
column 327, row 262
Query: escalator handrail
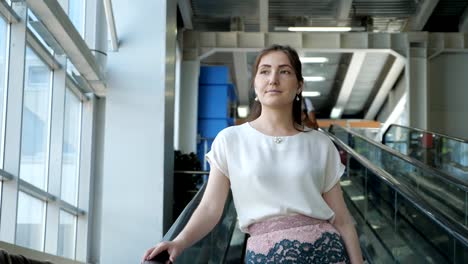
column 461, row 140
column 184, row 217
column 436, row 172
column 182, row 220
column 456, row 230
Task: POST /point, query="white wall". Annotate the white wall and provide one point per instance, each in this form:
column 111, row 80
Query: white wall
column 138, row 151
column 417, row 73
column 448, row 94
column 394, row 97
column 189, row 106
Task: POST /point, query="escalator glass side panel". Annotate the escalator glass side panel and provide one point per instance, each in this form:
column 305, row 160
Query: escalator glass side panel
column 353, row 185
column 424, row 236
column 461, row 253
column 447, row 196
column 444, row 153
column 390, row 229
column 214, row 246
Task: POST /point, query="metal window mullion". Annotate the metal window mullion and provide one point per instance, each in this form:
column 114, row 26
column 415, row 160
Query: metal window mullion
column 75, row 235
column 75, row 88
column 111, row 25
column 4, row 97
column 13, row 123
column 36, row 192
column 85, row 189
column 78, row 163
column 5, row 175
column 57, row 117
column 8, row 13
column 42, row 51
column 71, row 209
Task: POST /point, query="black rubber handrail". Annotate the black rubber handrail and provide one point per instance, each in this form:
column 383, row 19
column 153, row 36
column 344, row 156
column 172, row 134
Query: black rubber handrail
column 182, row 220
column 456, row 230
column 423, row 166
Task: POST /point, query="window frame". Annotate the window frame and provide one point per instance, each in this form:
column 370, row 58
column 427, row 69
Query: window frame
column 21, row 37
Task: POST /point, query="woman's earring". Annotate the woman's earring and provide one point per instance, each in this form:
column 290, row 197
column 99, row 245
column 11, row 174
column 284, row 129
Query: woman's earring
column 297, row 97
column 256, row 98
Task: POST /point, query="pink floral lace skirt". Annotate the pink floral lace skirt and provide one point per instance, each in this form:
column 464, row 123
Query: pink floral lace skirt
column 295, row 239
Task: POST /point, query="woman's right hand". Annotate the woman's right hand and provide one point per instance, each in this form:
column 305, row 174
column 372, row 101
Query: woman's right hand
column 174, row 248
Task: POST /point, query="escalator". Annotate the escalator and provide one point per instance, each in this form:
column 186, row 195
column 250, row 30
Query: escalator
column 443, row 191
column 396, row 219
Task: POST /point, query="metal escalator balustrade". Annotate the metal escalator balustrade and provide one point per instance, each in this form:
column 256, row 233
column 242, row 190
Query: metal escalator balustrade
column 445, row 153
column 213, row 248
column 445, row 192
column 395, row 224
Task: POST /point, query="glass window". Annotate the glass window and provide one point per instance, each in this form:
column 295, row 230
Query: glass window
column 36, row 121
column 31, row 222
column 36, row 27
column 71, row 148
column 3, row 73
column 76, row 12
column 67, row 233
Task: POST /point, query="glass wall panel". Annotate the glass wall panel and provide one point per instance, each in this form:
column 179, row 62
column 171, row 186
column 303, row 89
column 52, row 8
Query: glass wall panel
column 67, row 233
column 71, row 148
column 36, row 121
column 76, row 12
column 31, row 222
column 3, row 73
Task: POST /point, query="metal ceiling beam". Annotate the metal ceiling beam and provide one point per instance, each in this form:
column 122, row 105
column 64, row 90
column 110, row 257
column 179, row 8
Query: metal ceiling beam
column 242, row 80
column 198, row 45
column 59, row 25
column 263, row 15
column 357, row 60
column 111, row 25
column 8, row 13
column 424, row 11
column 342, row 11
column 463, row 25
column 387, row 85
column 186, row 12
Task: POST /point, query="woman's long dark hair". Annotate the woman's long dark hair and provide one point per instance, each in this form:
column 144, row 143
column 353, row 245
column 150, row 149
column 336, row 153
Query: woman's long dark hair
column 256, row 108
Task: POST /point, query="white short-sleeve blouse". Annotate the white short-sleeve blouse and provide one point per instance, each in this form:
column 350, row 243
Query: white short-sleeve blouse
column 273, row 176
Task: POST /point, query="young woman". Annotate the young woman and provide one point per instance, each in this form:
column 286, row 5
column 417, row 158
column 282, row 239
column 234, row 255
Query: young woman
column 284, row 180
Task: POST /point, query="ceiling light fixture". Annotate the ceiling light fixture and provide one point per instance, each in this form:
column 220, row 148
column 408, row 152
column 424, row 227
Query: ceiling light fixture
column 320, row 29
column 314, row 78
column 336, row 112
column 310, row 94
column 313, row 59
